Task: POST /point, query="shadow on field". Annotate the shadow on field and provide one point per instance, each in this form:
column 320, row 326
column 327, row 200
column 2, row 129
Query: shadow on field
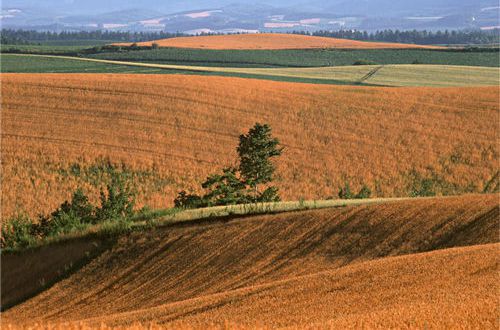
column 25, row 274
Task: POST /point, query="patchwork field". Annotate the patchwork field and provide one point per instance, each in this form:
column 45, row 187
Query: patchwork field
column 303, row 57
column 382, row 75
column 418, row 263
column 272, row 41
column 168, row 132
column 389, row 180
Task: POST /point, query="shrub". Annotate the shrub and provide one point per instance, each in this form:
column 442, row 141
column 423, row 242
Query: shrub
column 423, row 188
column 155, row 46
column 79, row 207
column 116, row 210
column 269, row 195
column 64, row 223
column 69, row 217
column 365, row 192
column 188, row 201
column 17, row 232
column 117, row 201
column 345, row 192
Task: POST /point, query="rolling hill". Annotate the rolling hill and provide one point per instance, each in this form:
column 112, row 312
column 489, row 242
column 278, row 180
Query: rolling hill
column 391, row 264
column 273, row 41
column 376, row 75
column 168, row 132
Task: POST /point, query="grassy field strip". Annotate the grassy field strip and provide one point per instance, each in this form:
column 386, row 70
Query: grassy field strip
column 166, row 217
column 388, row 75
column 265, row 208
column 347, row 73
column 434, row 75
column 136, row 64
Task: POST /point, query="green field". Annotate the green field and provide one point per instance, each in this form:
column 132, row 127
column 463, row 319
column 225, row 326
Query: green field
column 64, row 49
column 267, row 58
column 435, row 75
column 11, row 63
column 381, row 75
column 304, row 58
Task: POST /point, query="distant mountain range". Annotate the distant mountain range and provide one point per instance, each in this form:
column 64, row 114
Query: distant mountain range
column 199, row 16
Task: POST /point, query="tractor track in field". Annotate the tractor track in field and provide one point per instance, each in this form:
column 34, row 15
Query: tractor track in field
column 370, row 74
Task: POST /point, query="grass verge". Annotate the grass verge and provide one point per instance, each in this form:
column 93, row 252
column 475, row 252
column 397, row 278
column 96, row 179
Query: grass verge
column 167, row 217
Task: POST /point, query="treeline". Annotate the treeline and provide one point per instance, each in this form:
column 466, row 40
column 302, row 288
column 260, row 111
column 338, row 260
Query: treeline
column 30, row 37
column 421, row 37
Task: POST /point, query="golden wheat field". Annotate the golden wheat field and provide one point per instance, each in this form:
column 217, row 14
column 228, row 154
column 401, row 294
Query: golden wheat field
column 170, row 131
column 272, row 41
column 430, row 263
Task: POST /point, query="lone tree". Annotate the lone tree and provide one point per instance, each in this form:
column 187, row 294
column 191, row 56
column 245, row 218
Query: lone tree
column 256, row 148
column 240, row 184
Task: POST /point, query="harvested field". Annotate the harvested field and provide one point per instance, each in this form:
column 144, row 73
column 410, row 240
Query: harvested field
column 170, row 131
column 353, row 266
column 272, row 41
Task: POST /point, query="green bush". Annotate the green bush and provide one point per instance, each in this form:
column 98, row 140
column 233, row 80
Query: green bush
column 269, row 195
column 18, row 232
column 117, row 201
column 116, row 212
column 345, row 192
column 424, row 188
column 79, row 207
column 64, row 223
column 365, row 192
column 189, row 201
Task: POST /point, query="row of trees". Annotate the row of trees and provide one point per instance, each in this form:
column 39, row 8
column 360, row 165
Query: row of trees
column 20, row 37
column 9, row 36
column 422, row 37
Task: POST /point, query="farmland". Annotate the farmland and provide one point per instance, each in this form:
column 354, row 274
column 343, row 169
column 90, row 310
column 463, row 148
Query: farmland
column 25, row 64
column 168, row 132
column 303, row 269
column 272, row 41
column 303, row 57
column 387, row 75
column 386, row 161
